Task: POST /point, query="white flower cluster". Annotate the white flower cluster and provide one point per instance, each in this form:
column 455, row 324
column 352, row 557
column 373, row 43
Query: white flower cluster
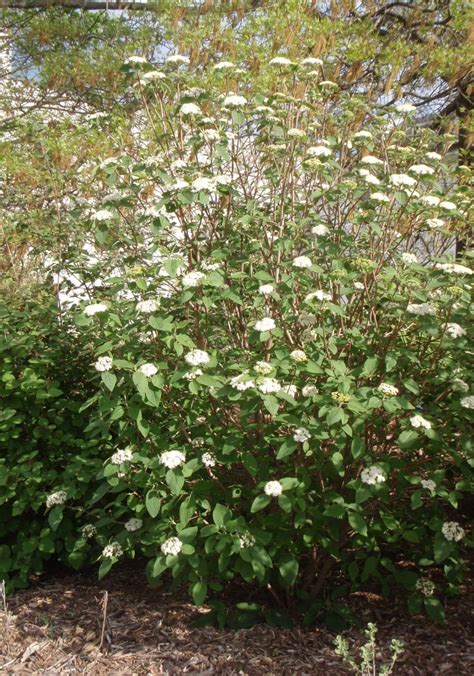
column 192, row 375
column 425, row 586
column 94, row 308
column 246, row 540
column 421, row 309
column 190, row 109
column 208, row 460
column 309, row 391
column 434, row 156
column 298, row 356
column 112, row 551
column 89, row 531
column 429, row 484
column 379, row 197
column 223, row 65
column 406, row 108
column 421, row 169
column 434, row 222
column 430, row 200
column 319, row 151
column 459, row 385
column 455, row 330
column 370, row 159
column 192, row 279
column 454, row 268
column 148, row 370
column 418, row 421
column 402, row 179
column 302, row 262
column 408, row 258
column 281, row 61
column 319, row 295
column 171, row 546
column 242, row 382
column 197, row 357
column 388, row 390
column 177, row 59
column 133, row 525
column 152, row 76
column 58, row 498
column 265, row 289
column 301, row 434
column 121, row 456
column 319, row 230
column 103, row 364
column 269, row 386
column 291, row 390
column 148, row 306
column 273, row 489
column 102, row 215
column 372, row 475
column 294, row 132
column 467, row 402
column 452, row 531
column 265, row 324
column 234, row 101
column 263, row 368
column 172, row 459
column 363, row 134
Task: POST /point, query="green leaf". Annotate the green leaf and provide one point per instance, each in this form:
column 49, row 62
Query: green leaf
column 289, row 482
column 109, row 380
column 199, row 592
column 411, row 386
column 153, row 502
column 209, row 381
column 284, row 502
column 407, row 438
column 335, row 511
column 334, row 416
column 442, row 548
column 289, row 569
column 434, row 609
column 357, row 448
column 221, row 514
column 141, row 383
column 271, row 404
column 174, row 481
column 358, row 523
column 416, row 500
column 55, row 516
column 159, row 566
column 161, row 324
column 250, row 463
column 370, row 366
column 287, row 448
column 260, row 502
column 104, row 567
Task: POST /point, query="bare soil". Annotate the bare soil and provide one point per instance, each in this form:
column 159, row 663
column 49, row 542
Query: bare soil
column 73, row 624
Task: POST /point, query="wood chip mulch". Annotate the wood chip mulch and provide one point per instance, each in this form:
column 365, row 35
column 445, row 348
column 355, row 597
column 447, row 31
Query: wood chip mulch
column 58, row 627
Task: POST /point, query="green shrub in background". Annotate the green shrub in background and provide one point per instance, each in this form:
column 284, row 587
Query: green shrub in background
column 43, row 381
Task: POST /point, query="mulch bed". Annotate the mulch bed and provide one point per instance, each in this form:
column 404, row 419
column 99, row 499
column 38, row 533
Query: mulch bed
column 57, row 627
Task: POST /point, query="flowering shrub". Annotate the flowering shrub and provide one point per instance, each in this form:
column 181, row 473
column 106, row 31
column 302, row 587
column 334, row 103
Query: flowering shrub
column 277, row 361
column 280, row 390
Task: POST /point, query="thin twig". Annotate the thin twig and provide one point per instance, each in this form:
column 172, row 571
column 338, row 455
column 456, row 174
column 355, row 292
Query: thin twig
column 105, row 602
